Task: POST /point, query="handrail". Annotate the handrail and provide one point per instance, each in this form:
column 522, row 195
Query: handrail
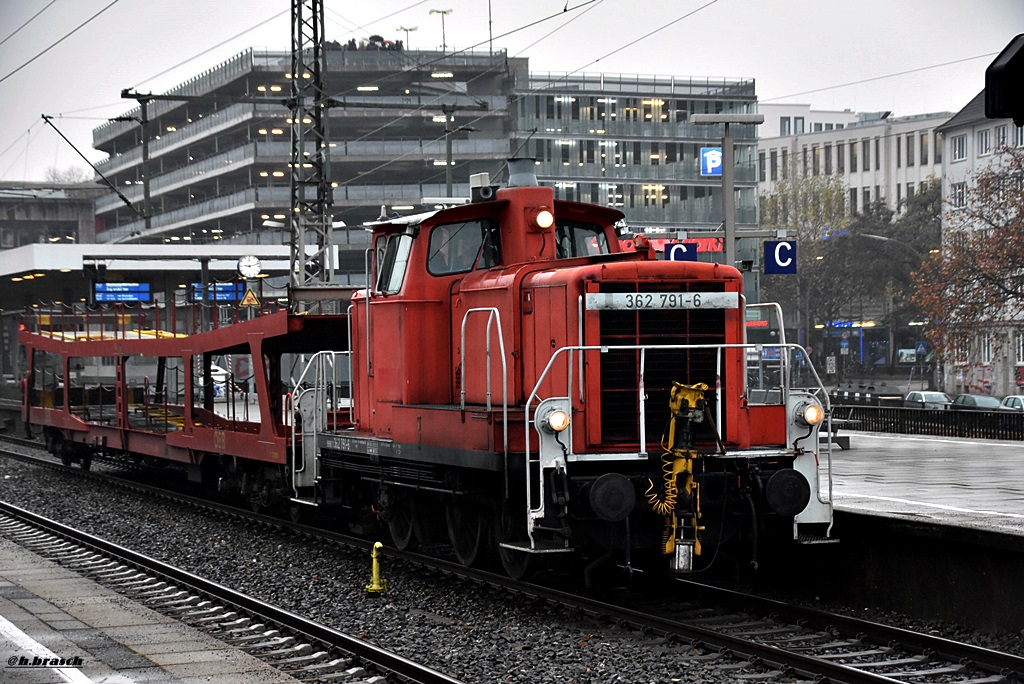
column 573, row 349
column 493, row 315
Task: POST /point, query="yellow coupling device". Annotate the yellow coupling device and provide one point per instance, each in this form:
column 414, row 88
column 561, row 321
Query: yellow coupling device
column 686, row 406
column 377, row 585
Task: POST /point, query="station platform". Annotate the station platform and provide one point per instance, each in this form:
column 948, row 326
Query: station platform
column 50, row 616
column 971, row 483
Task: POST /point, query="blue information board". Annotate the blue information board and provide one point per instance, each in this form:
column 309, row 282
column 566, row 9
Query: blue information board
column 122, row 292
column 217, row 292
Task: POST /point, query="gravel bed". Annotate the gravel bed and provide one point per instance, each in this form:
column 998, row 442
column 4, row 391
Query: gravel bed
column 471, row 633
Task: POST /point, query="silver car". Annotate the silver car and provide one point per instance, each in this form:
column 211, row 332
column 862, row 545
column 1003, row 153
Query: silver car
column 1014, row 402
column 928, row 400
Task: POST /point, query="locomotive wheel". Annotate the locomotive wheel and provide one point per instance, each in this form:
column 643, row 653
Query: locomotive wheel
column 467, row 531
column 517, row 564
column 85, row 462
column 400, row 525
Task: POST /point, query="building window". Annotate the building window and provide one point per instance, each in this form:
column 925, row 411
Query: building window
column 817, row 128
column 899, row 151
column 805, row 160
column 828, row 127
column 853, row 200
column 853, row 157
column 878, row 193
column 938, row 147
column 828, row 160
column 798, row 124
column 1019, row 137
column 958, row 147
column 985, row 348
column 785, row 163
column 815, row 160
column 878, row 155
column 899, row 195
column 785, row 126
column 865, row 148
column 984, row 142
column 910, row 150
column 910, row 190
column 1000, row 136
column 867, row 197
column 841, row 158
column 762, row 174
column 775, row 165
column 1019, row 339
column 958, row 195
column 924, row 148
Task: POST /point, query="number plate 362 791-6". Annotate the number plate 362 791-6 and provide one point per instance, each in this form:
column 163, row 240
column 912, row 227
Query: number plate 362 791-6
column 662, row 300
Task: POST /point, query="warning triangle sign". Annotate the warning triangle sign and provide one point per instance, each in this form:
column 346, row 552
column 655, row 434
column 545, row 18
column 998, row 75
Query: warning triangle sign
column 249, row 299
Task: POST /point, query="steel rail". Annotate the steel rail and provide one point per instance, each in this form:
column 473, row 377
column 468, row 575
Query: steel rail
column 380, row 657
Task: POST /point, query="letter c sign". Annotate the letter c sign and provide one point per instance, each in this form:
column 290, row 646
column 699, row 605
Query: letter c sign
column 779, row 256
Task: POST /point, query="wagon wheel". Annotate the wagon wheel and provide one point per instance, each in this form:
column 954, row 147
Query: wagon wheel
column 517, row 564
column 467, row 531
column 400, row 525
column 85, row 462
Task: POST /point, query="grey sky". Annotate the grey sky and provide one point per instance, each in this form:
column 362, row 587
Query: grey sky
column 789, row 47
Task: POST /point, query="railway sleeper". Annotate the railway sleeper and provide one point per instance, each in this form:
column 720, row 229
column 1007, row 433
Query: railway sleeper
column 857, row 654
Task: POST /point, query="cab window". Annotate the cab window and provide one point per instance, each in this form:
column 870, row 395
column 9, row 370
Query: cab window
column 462, row 247
column 574, row 239
column 392, row 254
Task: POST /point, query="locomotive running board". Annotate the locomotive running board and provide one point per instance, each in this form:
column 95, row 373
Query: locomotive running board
column 815, row 539
column 540, row 548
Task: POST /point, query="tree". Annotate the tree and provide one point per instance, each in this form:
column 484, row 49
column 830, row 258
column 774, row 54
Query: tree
column 978, row 283
column 811, row 209
column 70, row 175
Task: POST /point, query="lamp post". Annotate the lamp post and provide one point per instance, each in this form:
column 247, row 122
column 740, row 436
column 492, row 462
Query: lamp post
column 443, row 13
column 407, row 31
column 728, row 172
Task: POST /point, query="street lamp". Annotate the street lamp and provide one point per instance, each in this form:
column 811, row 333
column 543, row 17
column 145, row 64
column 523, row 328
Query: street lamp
column 728, row 172
column 443, row 13
column 894, row 240
column 407, row 31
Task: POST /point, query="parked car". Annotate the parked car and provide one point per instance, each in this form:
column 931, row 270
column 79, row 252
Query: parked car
column 974, row 402
column 1014, row 402
column 928, row 400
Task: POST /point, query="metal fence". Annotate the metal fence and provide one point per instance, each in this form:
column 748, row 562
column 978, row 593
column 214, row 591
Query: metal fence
column 915, row 421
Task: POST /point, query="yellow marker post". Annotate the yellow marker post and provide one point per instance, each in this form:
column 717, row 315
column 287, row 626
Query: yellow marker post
column 377, row 585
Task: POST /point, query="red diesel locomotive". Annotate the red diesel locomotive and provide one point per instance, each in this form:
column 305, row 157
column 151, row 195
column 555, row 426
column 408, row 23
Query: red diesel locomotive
column 511, row 382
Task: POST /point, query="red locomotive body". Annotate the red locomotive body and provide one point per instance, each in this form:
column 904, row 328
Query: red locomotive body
column 520, row 385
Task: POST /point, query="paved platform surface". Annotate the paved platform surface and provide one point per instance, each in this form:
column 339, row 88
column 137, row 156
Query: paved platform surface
column 974, row 483
column 48, row 612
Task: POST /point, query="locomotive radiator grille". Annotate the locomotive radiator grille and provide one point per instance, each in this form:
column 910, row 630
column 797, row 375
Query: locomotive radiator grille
column 620, row 370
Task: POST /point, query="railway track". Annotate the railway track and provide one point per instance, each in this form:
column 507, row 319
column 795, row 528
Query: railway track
column 741, row 633
column 302, row 648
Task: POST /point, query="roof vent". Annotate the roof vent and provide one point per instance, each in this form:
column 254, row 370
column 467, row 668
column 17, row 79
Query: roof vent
column 521, row 173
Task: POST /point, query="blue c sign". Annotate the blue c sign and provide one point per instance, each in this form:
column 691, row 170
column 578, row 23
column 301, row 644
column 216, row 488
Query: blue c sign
column 779, row 256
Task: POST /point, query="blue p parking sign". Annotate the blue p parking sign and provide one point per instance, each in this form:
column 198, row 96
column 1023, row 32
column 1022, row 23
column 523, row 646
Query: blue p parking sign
column 711, row 161
column 779, row 256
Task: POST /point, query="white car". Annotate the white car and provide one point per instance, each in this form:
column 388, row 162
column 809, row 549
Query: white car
column 928, row 400
column 1014, row 402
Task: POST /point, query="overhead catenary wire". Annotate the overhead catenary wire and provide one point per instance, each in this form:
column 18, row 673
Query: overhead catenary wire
column 59, row 40
column 30, row 20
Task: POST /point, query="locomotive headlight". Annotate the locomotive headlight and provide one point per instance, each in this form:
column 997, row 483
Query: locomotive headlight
column 542, row 218
column 810, row 414
column 554, row 420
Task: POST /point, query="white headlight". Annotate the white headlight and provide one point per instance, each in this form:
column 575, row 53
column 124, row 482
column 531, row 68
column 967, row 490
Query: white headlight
column 557, row 420
column 810, row 414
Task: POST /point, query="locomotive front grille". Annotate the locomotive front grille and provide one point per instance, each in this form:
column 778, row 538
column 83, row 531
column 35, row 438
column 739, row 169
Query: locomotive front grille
column 620, row 370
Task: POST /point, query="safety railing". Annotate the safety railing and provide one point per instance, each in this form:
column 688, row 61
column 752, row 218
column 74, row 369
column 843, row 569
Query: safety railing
column 493, row 317
column 534, row 471
column 1007, row 425
column 314, row 405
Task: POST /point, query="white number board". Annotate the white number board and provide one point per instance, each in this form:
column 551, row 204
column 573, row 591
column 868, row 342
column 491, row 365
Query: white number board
column 662, row 300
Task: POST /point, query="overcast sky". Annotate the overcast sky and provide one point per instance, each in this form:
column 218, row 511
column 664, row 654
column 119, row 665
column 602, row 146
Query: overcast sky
column 799, row 51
